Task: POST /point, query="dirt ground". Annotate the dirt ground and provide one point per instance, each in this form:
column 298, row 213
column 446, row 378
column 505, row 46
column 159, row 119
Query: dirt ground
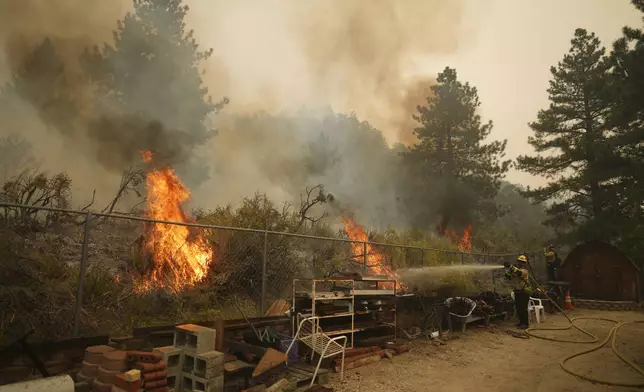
column 490, row 359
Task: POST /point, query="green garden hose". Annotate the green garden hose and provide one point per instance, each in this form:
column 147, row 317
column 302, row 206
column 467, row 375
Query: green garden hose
column 612, row 336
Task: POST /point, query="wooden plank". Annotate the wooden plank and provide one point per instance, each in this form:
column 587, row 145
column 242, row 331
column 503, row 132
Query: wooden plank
column 361, row 362
column 278, row 308
column 235, row 366
column 271, row 359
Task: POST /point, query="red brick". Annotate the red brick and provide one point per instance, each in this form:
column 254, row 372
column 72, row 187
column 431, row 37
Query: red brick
column 127, row 386
column 98, row 386
column 94, row 354
column 107, row 376
column 143, row 356
column 114, row 360
column 156, row 384
column 151, row 367
column 162, row 389
column 155, row 376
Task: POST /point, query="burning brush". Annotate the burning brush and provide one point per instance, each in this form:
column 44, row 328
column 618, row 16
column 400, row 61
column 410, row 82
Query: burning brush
column 375, row 259
column 180, row 258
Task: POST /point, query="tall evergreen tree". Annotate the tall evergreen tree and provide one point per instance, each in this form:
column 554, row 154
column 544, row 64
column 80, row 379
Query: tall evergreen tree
column 628, row 116
column 571, row 139
column 457, row 172
column 152, row 71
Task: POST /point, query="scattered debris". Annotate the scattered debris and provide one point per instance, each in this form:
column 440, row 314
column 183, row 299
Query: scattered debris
column 270, row 360
column 256, row 388
column 360, row 360
column 360, row 351
column 279, row 386
column 236, row 365
column 482, row 308
column 460, row 306
column 278, row 308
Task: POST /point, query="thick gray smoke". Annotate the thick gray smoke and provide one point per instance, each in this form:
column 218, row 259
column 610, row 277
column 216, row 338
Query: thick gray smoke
column 270, row 57
column 284, row 154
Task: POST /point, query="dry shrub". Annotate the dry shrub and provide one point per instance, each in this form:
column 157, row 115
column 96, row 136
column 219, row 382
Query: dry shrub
column 37, row 290
column 35, row 189
column 239, row 255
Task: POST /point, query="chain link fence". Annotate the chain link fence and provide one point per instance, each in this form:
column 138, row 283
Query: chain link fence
column 81, row 273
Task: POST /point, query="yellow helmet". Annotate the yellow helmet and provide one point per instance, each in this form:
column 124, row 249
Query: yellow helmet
column 522, row 258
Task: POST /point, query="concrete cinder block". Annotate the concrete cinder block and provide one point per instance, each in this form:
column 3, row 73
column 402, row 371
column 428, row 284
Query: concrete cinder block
column 171, row 355
column 194, row 338
column 192, row 383
column 174, row 382
column 205, row 365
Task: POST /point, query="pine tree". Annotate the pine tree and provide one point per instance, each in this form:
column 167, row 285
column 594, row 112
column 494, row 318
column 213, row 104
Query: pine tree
column 628, row 116
column 457, row 173
column 152, row 70
column 572, row 141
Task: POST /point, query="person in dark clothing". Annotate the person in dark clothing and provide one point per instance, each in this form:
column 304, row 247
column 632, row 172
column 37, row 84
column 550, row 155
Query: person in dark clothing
column 522, row 291
column 553, row 263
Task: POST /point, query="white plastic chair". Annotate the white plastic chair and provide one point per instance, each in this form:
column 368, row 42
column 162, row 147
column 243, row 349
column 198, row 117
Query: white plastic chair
column 534, row 305
column 310, row 333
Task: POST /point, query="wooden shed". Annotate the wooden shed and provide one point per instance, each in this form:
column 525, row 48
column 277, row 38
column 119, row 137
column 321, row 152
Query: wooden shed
column 597, row 270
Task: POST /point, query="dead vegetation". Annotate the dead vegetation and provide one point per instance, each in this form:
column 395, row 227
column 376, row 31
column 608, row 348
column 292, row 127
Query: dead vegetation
column 38, row 190
column 40, row 253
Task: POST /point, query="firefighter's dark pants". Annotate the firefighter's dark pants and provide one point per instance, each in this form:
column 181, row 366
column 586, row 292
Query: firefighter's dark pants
column 521, row 299
column 553, row 269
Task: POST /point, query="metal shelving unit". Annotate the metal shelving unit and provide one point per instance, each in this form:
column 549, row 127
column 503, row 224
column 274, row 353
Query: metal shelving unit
column 308, row 294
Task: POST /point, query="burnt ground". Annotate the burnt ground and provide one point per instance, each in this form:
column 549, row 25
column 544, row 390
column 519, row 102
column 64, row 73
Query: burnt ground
column 489, row 359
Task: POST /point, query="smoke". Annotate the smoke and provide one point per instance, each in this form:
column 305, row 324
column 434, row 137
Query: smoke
column 273, row 57
column 354, row 56
column 351, row 56
column 25, row 23
column 71, row 26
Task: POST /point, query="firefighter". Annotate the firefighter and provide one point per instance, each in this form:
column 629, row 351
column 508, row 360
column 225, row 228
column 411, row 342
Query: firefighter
column 518, row 273
column 553, row 262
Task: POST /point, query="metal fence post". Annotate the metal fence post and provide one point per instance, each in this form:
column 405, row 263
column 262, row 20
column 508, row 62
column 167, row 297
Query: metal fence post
column 462, row 258
column 364, row 256
column 264, row 260
column 81, row 274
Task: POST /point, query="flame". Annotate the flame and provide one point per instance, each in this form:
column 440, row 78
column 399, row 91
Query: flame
column 179, row 258
column 463, row 242
column 375, row 259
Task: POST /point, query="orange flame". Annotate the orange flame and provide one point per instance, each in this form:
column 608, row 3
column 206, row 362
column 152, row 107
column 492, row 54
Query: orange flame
column 463, row 242
column 375, row 259
column 179, row 258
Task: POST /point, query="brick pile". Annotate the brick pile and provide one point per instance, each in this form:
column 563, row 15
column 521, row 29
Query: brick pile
column 91, row 363
column 129, row 381
column 192, row 362
column 113, row 363
column 153, row 370
column 190, row 365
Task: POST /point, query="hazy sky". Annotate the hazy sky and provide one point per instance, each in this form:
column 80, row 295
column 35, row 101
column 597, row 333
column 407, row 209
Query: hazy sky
column 503, row 47
column 366, row 56
column 509, row 58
